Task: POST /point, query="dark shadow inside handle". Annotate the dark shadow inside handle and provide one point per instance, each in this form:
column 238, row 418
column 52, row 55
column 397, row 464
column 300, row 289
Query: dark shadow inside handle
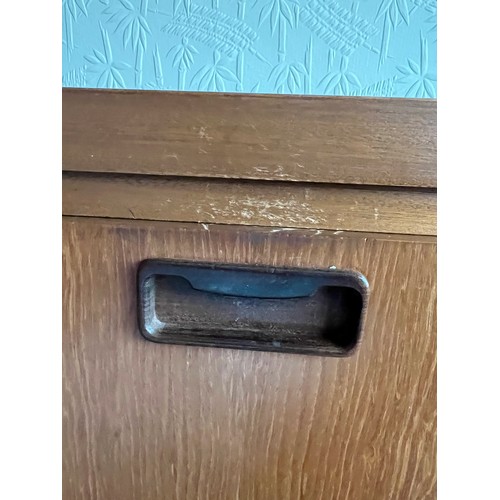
column 315, row 312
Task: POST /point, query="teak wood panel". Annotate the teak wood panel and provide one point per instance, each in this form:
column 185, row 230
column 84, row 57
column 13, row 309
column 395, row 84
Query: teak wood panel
column 281, row 204
column 295, row 138
column 151, row 421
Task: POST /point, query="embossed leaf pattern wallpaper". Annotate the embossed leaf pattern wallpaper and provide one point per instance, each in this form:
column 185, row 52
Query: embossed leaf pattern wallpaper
column 383, row 48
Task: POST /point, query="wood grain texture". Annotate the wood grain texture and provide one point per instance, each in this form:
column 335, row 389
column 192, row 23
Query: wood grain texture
column 149, row 421
column 281, row 204
column 296, row 138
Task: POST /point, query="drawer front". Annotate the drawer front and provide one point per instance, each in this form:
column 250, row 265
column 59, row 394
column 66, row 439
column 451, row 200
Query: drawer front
column 155, row 421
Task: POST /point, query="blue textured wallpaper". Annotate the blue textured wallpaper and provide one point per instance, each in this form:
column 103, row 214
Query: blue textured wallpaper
column 368, row 47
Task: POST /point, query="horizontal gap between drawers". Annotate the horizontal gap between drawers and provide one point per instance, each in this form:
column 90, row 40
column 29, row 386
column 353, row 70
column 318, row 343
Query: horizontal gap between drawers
column 228, row 180
column 264, row 230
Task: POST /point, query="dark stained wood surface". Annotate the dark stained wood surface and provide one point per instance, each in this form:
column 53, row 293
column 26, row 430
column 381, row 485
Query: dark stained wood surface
column 269, row 137
column 278, row 204
column 150, row 421
column 247, row 307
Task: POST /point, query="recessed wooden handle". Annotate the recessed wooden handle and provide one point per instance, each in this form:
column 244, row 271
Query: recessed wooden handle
column 286, row 310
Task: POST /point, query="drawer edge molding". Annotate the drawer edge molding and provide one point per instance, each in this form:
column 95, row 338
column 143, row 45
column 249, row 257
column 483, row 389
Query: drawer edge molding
column 269, row 204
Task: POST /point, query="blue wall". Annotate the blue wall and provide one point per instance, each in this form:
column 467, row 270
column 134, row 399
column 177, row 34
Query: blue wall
column 367, row 47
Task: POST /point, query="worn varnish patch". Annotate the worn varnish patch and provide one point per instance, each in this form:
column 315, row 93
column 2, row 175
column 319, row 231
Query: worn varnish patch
column 299, row 205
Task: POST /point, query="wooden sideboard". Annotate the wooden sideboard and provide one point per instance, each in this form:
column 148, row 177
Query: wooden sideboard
column 276, row 181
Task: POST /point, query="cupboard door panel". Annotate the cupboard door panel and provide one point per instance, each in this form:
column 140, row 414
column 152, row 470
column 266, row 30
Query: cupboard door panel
column 156, row 421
